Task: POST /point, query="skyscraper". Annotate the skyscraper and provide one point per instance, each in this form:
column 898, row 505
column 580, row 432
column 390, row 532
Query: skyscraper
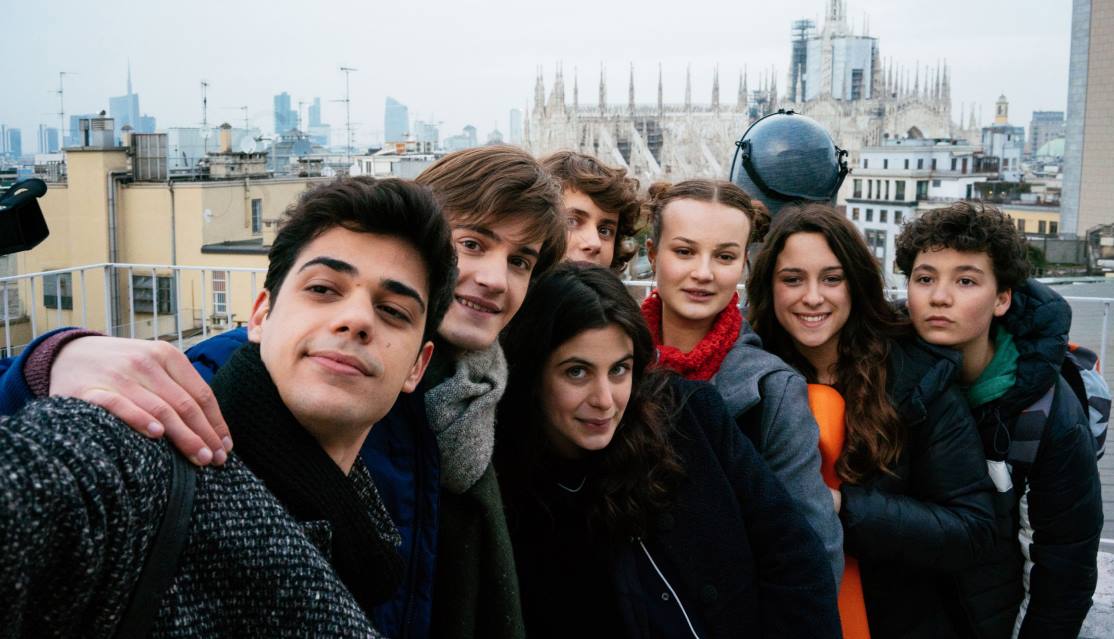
column 1089, row 140
column 13, row 142
column 124, row 109
column 396, row 121
column 315, row 113
column 285, row 117
column 48, row 139
column 1044, row 127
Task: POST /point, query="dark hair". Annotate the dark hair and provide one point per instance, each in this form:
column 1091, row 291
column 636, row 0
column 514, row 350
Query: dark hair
column 487, row 185
column 392, row 207
column 718, row 191
column 610, row 188
column 874, row 438
column 969, row 227
column 639, row 466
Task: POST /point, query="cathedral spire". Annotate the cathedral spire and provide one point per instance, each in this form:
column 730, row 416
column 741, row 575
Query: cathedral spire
column 129, row 76
column 741, row 100
column 603, row 90
column 715, row 90
column 773, row 90
column 575, row 91
column 917, row 80
column 875, row 72
column 688, row 88
column 630, row 96
column 661, row 105
column 539, row 92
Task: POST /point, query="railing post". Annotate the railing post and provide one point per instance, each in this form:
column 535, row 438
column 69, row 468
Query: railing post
column 228, row 299
column 84, row 300
column 178, row 304
column 155, row 303
column 131, row 302
column 31, row 309
column 1105, row 327
column 108, row 300
column 204, row 309
column 7, row 323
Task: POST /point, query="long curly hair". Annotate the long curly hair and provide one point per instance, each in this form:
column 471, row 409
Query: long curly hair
column 635, row 474
column 874, row 435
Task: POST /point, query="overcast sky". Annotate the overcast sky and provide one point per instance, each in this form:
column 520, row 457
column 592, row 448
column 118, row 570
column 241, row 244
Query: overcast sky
column 469, row 62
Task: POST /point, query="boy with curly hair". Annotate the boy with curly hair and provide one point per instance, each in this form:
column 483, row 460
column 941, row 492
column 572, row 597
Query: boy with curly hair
column 969, row 289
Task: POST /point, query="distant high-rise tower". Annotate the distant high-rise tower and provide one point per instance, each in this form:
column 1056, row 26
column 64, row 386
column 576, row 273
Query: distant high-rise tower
column 315, row 112
column 48, row 139
column 285, row 117
column 396, row 121
column 13, row 142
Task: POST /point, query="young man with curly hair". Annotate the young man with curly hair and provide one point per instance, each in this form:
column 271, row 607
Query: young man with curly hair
column 602, row 207
column 969, row 290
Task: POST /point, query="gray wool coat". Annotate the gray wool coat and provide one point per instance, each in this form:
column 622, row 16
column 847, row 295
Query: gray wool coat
column 81, row 497
column 786, row 434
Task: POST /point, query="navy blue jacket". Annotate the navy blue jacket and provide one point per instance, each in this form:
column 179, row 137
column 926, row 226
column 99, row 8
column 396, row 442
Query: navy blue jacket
column 401, row 454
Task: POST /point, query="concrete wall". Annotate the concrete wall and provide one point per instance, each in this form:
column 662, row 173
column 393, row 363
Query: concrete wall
column 1097, row 184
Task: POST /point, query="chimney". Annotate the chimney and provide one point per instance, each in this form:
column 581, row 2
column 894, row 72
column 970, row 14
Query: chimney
column 226, row 138
column 126, row 136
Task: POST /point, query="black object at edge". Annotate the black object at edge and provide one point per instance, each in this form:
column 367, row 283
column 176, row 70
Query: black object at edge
column 166, row 547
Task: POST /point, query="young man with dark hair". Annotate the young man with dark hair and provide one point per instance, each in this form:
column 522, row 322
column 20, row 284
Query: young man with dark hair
column 602, row 206
column 430, row 456
column 968, row 290
column 290, row 538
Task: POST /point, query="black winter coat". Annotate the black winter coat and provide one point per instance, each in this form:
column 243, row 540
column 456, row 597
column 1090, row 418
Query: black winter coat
column 912, row 530
column 733, row 548
column 1060, row 492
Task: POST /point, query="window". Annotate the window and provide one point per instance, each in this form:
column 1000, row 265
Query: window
column 897, row 217
column 869, row 189
column 220, row 292
column 1041, row 227
column 886, row 163
column 865, row 163
column 906, row 163
column 876, row 240
column 883, row 216
column 964, row 165
column 256, row 216
column 936, row 183
column 933, row 164
column 899, row 190
column 1021, row 225
column 955, row 162
column 144, row 294
column 58, row 291
column 1053, row 228
column 855, row 214
column 870, row 215
column 858, row 189
column 920, row 164
column 922, row 189
column 887, row 190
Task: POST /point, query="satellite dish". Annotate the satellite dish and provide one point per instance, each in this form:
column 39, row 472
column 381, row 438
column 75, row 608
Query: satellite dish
column 247, row 145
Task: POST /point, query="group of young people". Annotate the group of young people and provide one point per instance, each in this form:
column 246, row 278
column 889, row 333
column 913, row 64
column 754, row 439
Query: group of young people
column 459, row 422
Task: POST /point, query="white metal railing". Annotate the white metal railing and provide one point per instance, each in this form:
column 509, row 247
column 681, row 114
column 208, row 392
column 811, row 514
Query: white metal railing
column 188, row 321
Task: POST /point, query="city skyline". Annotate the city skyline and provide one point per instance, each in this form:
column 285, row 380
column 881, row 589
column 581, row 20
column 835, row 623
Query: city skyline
column 462, row 71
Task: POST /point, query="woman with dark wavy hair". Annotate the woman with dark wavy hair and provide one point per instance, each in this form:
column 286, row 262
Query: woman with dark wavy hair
column 636, row 507
column 900, row 449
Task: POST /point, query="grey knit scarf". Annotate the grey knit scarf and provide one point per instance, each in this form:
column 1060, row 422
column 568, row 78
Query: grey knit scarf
column 461, row 412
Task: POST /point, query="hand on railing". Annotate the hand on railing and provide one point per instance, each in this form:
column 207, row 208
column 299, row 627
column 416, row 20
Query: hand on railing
column 150, row 386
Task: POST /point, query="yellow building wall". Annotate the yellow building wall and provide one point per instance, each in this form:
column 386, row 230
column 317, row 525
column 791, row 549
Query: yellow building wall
column 1033, row 218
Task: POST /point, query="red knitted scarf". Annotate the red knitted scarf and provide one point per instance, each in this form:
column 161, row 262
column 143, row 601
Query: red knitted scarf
column 702, row 362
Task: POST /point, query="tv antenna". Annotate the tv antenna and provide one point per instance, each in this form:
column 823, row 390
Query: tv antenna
column 347, row 115
column 61, row 104
column 205, row 115
column 245, row 110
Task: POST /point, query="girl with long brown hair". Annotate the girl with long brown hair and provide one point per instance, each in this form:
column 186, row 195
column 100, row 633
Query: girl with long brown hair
column 635, row 506
column 909, row 481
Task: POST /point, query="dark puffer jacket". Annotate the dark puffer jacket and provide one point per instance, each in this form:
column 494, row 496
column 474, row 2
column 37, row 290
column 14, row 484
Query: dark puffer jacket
column 912, row 530
column 1060, row 492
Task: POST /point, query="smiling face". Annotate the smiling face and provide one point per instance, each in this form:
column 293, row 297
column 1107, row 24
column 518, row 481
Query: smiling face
column 592, row 231
column 953, row 297
column 586, row 384
column 699, row 259
column 811, row 298
column 345, row 333
column 495, row 266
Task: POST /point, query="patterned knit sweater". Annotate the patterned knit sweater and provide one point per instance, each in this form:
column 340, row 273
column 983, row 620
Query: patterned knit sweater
column 81, row 497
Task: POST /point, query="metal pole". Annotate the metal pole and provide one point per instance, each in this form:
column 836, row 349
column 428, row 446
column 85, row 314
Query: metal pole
column 34, row 324
column 1105, row 328
column 84, row 299
column 131, row 302
column 7, row 323
column 108, row 301
column 155, row 303
column 178, row 304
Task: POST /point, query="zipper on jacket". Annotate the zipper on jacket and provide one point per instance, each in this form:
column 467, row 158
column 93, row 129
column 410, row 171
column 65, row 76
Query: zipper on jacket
column 670, row 587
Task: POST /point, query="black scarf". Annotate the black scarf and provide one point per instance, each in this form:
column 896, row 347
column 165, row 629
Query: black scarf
column 303, row 477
